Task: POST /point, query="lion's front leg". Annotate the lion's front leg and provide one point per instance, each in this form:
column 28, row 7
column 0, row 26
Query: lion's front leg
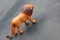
column 26, row 23
column 31, row 19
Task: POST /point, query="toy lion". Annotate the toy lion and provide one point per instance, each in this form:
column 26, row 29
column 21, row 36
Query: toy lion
column 24, row 15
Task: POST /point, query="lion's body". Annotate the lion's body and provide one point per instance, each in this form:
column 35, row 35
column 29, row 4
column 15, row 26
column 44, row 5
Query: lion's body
column 22, row 17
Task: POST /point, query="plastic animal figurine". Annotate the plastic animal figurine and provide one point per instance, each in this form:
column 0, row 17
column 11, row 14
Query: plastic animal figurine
column 24, row 15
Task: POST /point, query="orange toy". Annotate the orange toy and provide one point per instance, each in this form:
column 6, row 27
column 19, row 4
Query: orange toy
column 25, row 15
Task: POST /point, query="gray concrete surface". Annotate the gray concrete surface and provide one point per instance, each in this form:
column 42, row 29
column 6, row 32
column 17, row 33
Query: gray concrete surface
column 5, row 5
column 47, row 14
